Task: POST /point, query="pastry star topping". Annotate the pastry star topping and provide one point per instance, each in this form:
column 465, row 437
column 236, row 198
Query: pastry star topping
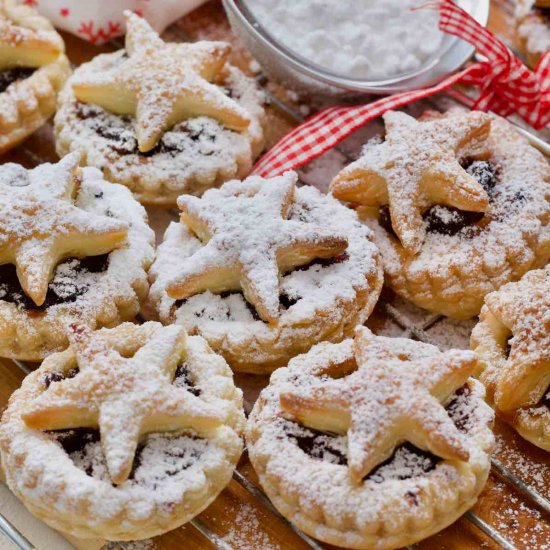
column 126, row 397
column 249, row 241
column 162, row 84
column 389, row 399
column 524, row 308
column 417, row 167
column 23, row 47
column 40, row 226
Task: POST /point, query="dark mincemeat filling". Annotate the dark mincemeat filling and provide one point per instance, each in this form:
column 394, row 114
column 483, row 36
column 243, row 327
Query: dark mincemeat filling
column 123, row 138
column 10, row 76
column 544, row 13
column 446, row 220
column 508, row 346
column 10, row 289
column 285, row 301
column 75, row 440
column 318, row 445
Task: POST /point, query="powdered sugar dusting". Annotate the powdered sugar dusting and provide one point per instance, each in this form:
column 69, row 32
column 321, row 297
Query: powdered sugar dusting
column 191, row 157
column 229, row 321
column 245, row 531
column 98, row 293
column 523, row 310
column 305, row 471
column 396, row 171
column 248, row 239
column 173, row 476
column 395, row 379
column 452, row 272
column 162, row 83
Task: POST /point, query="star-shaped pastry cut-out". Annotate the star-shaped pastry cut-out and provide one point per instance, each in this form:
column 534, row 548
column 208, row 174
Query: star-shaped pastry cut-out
column 40, row 225
column 416, row 167
column 125, row 397
column 388, row 400
column 524, row 309
column 162, row 84
column 249, row 241
column 24, row 47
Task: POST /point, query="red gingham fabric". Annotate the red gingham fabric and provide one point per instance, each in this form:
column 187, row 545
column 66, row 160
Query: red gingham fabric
column 506, row 86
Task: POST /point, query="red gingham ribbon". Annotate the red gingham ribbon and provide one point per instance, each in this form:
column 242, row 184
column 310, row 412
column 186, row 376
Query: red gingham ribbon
column 506, row 86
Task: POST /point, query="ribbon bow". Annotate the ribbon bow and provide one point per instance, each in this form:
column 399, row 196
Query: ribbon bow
column 506, row 86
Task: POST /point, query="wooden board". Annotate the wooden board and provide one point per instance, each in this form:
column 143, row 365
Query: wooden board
column 239, row 518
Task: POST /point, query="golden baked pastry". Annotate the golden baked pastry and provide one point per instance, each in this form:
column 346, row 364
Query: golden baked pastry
column 459, row 205
column 72, row 246
column 533, row 28
column 255, row 270
column 129, row 433
column 512, row 340
column 164, row 118
column 373, row 442
column 33, row 68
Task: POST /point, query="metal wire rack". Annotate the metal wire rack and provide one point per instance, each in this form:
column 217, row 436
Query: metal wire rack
column 411, row 330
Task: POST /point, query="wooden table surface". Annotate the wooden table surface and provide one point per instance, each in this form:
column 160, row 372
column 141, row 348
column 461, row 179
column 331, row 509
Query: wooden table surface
column 238, row 518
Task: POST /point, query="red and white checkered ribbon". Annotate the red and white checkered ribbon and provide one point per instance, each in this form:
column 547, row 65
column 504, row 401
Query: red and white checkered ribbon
column 506, row 86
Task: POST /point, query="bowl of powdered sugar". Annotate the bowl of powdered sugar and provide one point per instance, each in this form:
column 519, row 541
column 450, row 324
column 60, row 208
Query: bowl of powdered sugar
column 349, row 47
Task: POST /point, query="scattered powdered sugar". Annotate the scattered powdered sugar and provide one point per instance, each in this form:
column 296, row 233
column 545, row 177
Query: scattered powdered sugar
column 522, row 525
column 369, row 39
column 146, row 544
column 451, row 334
column 534, row 472
column 245, row 532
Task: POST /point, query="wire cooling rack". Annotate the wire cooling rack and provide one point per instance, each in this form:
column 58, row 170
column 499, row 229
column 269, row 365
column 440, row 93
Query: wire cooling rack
column 410, row 328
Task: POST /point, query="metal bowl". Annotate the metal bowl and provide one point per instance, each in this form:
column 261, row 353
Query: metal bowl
column 298, row 73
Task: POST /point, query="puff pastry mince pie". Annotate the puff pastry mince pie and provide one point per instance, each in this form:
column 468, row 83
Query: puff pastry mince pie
column 72, row 246
column 459, row 205
column 533, row 28
column 254, row 269
column 33, row 68
column 162, row 118
column 372, row 442
column 128, row 433
column 512, row 340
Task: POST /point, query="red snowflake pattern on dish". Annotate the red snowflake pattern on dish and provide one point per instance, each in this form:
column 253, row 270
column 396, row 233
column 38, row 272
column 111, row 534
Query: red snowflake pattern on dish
column 101, row 34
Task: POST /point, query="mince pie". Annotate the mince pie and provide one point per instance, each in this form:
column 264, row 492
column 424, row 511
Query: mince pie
column 459, row 205
column 254, row 268
column 533, row 28
column 373, row 442
column 512, row 340
column 33, row 68
column 128, row 433
column 72, row 246
column 162, row 118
